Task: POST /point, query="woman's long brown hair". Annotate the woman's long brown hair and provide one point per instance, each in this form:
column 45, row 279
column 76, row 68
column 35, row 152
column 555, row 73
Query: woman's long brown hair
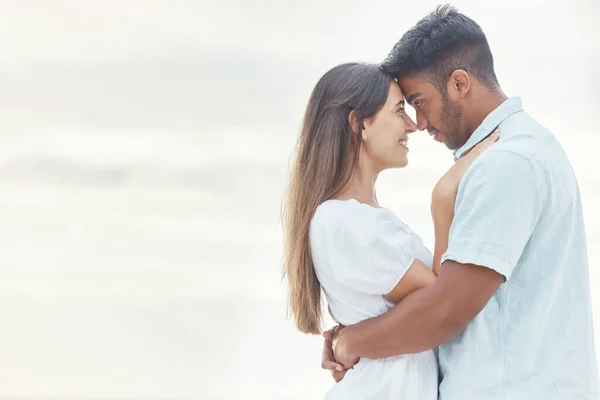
column 326, row 156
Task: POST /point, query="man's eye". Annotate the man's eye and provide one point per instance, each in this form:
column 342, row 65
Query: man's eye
column 418, row 104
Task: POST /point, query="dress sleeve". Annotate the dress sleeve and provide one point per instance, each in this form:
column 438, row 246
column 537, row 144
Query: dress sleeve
column 368, row 250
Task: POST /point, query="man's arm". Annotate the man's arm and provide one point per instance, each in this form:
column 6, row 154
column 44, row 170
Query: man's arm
column 498, row 204
column 429, row 317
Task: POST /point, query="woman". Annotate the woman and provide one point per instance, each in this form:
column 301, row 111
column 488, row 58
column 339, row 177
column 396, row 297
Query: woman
column 338, row 238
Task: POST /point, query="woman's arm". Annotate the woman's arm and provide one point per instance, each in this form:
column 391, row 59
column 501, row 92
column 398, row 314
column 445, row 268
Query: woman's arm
column 418, row 276
column 442, row 212
column 443, row 198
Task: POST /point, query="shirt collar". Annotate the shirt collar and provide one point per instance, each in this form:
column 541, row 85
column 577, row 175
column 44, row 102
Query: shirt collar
column 490, row 123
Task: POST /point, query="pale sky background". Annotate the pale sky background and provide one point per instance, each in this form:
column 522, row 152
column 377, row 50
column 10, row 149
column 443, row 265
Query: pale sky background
column 144, row 148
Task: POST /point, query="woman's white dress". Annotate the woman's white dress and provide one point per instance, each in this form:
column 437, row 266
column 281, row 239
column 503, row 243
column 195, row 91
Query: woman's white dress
column 360, row 253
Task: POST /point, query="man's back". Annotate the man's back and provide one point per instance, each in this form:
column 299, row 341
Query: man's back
column 519, row 212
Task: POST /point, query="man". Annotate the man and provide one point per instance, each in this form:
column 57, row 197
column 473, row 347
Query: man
column 510, row 310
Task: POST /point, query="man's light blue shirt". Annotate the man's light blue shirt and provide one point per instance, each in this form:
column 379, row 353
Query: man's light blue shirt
column 518, row 212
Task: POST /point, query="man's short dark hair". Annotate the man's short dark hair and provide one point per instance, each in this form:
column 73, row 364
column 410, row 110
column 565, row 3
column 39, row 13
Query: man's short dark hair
column 443, row 41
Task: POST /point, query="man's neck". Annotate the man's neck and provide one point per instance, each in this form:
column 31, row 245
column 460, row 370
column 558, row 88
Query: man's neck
column 487, row 101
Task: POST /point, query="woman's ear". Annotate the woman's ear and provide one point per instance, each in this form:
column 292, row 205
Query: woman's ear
column 367, row 123
column 353, row 121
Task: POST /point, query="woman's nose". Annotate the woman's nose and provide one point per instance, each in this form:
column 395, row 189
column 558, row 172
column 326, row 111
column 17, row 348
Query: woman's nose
column 411, row 127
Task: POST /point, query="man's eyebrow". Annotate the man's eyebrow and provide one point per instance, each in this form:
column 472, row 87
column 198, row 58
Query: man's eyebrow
column 412, row 97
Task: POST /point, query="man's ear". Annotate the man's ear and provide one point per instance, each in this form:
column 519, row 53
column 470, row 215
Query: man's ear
column 459, row 84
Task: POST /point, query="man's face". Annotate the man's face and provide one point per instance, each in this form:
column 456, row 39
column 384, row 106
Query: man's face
column 435, row 111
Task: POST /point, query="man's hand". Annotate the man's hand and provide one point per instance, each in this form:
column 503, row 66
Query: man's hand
column 328, row 360
column 340, row 352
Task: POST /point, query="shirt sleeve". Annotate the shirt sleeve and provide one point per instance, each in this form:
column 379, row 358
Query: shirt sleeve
column 498, row 205
column 369, row 251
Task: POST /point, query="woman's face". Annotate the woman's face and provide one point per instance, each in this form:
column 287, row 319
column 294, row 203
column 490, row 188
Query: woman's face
column 386, row 133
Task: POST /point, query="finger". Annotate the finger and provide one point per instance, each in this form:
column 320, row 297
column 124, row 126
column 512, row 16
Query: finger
column 328, row 361
column 338, row 375
column 328, row 335
column 327, row 357
column 493, row 137
column 488, row 142
column 331, row 365
column 490, row 139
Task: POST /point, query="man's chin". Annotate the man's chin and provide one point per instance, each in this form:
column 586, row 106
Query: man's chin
column 438, row 137
column 451, row 146
column 445, row 143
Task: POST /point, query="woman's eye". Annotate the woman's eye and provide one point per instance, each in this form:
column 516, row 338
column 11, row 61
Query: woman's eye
column 401, row 111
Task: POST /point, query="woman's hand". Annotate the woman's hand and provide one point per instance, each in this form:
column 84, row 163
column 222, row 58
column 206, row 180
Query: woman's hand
column 443, row 199
column 447, row 186
column 328, row 361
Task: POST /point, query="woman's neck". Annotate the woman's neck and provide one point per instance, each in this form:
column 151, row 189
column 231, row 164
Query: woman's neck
column 361, row 187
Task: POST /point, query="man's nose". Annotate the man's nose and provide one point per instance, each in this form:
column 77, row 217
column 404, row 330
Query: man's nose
column 422, row 122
